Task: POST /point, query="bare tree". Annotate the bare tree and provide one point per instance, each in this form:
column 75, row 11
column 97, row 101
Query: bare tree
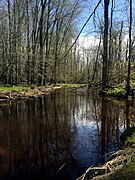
column 105, row 46
column 130, row 51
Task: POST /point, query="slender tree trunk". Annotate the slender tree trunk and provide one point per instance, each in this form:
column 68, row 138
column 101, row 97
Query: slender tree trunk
column 10, row 43
column 96, row 63
column 120, row 51
column 56, row 45
column 110, row 60
column 130, row 51
column 47, row 41
column 41, row 65
column 34, row 41
column 15, row 36
column 105, row 46
column 28, row 43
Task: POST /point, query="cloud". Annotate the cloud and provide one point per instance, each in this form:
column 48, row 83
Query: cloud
column 89, row 41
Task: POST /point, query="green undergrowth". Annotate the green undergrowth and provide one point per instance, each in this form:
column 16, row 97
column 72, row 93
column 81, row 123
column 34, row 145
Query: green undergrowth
column 130, row 137
column 73, row 85
column 118, row 91
column 14, row 88
column 19, row 88
column 114, row 92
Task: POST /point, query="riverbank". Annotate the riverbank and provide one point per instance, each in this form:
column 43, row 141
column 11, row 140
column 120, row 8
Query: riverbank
column 118, row 92
column 120, row 166
column 8, row 93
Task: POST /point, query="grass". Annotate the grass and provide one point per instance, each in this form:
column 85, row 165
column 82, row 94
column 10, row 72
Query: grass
column 14, row 88
column 4, row 88
column 73, row 85
column 116, row 91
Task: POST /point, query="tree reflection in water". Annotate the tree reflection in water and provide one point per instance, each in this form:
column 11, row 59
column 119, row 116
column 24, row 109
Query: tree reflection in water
column 58, row 136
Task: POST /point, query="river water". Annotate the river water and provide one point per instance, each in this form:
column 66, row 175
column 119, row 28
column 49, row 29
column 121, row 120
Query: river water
column 60, row 135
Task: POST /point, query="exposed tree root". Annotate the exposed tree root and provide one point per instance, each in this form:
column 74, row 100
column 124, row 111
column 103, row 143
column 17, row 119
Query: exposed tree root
column 120, row 158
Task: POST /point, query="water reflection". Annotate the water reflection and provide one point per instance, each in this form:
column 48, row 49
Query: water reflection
column 59, row 135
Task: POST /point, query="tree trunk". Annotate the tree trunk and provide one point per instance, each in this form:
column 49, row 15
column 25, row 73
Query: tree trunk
column 28, row 43
column 119, row 53
column 110, row 60
column 10, row 43
column 105, row 46
column 130, row 51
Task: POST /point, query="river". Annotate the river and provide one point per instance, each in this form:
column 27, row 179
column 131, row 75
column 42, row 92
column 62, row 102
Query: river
column 60, row 135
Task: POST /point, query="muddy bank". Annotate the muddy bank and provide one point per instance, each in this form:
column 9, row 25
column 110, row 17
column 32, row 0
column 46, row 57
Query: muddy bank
column 28, row 93
column 21, row 92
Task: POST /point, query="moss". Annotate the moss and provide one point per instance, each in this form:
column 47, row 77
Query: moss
column 122, row 165
column 130, row 140
column 127, row 172
column 131, row 164
column 128, row 137
column 122, row 174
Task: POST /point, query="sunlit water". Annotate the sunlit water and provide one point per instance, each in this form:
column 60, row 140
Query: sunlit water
column 58, row 136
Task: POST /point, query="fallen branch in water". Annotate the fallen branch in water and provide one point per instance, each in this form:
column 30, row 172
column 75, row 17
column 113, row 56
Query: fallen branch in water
column 61, row 167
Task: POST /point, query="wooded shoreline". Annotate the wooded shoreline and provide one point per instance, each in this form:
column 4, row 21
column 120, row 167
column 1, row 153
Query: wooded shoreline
column 10, row 95
column 21, row 92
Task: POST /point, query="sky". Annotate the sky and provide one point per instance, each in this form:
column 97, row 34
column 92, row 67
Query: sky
column 87, row 37
column 121, row 13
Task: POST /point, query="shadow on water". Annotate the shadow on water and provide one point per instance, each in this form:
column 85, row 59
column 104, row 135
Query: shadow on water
column 58, row 136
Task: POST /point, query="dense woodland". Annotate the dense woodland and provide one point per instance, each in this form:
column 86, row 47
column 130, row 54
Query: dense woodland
column 39, row 42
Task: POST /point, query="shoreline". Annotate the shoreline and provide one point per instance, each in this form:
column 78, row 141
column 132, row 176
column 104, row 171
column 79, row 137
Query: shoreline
column 11, row 95
column 120, row 165
column 8, row 94
column 118, row 92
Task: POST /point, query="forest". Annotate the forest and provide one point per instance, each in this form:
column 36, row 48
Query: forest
column 40, row 42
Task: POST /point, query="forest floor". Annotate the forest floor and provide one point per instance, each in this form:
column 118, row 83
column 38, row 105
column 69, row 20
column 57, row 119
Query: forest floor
column 8, row 93
column 120, row 166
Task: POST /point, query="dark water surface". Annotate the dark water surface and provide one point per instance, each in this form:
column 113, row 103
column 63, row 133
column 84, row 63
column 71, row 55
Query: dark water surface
column 58, row 136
